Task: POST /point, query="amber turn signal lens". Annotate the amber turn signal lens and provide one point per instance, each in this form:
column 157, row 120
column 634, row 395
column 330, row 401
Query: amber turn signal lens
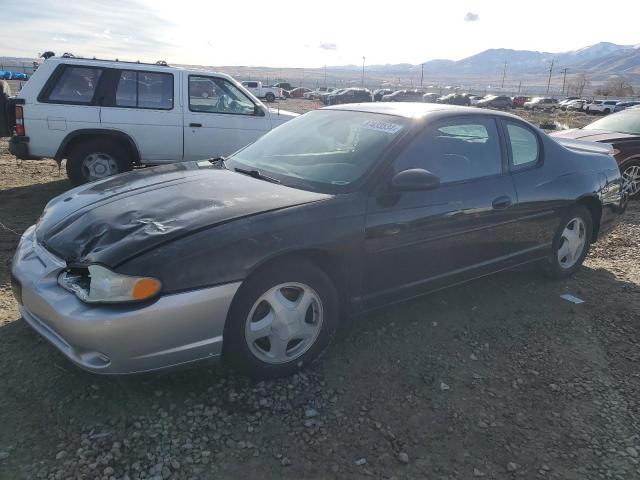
column 145, row 288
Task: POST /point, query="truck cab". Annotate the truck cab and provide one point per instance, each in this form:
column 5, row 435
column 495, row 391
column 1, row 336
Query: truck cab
column 260, row 91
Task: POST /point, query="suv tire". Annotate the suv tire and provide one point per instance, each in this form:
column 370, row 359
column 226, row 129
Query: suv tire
column 96, row 159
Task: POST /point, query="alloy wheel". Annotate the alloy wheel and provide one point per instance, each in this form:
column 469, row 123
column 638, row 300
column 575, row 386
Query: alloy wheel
column 631, row 176
column 284, row 323
column 572, row 242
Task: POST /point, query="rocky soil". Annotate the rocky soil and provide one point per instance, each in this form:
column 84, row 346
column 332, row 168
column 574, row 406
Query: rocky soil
column 496, row 379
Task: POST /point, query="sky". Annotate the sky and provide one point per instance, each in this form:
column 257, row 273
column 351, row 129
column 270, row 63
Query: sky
column 306, row 34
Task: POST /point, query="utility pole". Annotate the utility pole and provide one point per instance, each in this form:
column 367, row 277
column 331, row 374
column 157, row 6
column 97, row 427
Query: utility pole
column 504, row 72
column 421, row 75
column 363, row 59
column 564, row 78
column 550, row 70
column 519, row 85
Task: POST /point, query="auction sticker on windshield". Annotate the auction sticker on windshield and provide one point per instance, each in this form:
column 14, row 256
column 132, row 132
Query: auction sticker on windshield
column 386, row 127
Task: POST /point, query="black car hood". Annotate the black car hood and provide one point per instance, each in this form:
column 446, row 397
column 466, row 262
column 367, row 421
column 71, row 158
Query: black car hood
column 115, row 219
column 605, row 136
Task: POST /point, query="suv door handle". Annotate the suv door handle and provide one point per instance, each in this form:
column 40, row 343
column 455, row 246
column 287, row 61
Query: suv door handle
column 195, row 124
column 501, row 203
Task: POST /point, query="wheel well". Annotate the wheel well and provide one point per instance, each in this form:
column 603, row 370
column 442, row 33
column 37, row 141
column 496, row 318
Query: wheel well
column 321, row 259
column 595, row 209
column 120, row 139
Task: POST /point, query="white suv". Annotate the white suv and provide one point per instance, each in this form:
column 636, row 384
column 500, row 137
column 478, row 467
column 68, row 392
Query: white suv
column 602, row 106
column 105, row 116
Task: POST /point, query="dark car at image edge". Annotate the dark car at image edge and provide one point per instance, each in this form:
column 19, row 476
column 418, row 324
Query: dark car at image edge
column 622, row 131
column 255, row 258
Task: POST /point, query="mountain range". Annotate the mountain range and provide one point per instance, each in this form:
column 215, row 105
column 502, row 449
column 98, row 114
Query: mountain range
column 599, row 61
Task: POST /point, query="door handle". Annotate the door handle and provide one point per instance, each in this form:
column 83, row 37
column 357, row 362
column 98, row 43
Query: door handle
column 195, row 124
column 501, row 202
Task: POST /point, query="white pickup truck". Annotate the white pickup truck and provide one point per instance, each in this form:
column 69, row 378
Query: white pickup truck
column 268, row 93
column 106, row 117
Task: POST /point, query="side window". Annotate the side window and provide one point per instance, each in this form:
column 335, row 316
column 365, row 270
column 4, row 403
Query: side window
column 126, row 91
column 145, row 90
column 524, row 145
column 217, row 95
column 76, row 85
column 455, row 150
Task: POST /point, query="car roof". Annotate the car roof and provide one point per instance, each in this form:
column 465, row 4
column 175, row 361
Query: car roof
column 149, row 67
column 416, row 110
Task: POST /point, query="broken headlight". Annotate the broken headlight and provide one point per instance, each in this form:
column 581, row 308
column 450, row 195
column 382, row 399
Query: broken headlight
column 98, row 284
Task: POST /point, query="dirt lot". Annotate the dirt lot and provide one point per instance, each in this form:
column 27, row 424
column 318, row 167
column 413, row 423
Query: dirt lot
column 499, row 378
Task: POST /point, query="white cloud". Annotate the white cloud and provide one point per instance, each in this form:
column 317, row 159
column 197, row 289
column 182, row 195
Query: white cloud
column 328, row 46
column 471, row 17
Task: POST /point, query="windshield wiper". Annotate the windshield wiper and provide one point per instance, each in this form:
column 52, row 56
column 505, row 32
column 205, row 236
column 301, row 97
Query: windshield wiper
column 256, row 174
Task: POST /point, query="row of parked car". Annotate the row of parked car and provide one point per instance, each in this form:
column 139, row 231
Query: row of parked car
column 333, row 96
column 596, row 106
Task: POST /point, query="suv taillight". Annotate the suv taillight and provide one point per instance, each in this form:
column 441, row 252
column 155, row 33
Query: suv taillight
column 19, row 121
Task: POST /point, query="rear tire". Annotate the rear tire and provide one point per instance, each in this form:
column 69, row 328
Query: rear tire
column 270, row 331
column 96, row 159
column 270, row 97
column 631, row 174
column 571, row 243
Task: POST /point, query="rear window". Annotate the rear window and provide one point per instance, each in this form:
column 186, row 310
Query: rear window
column 145, row 90
column 75, row 85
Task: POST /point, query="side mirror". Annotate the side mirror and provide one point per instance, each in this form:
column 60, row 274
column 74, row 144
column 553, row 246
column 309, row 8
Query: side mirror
column 415, row 179
column 258, row 111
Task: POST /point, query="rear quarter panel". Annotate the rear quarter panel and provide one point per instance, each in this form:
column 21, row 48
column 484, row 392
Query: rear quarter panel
column 47, row 124
column 545, row 193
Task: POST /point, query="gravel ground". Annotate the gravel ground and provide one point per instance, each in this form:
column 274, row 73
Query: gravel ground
column 499, row 378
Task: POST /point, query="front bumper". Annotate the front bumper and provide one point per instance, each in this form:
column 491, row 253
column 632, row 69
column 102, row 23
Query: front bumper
column 118, row 339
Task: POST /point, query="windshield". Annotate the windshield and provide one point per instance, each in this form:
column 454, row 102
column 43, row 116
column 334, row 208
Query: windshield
column 323, row 150
column 623, row 122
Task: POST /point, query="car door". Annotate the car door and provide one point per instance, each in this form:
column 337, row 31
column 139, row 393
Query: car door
column 145, row 106
column 418, row 240
column 219, row 118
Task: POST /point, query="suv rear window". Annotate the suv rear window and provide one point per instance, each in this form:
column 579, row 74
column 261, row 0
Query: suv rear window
column 145, row 90
column 75, row 85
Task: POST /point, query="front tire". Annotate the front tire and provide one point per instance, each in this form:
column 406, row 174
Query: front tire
column 96, row 159
column 571, row 243
column 281, row 320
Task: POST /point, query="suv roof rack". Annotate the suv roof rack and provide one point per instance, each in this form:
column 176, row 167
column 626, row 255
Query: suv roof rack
column 161, row 63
